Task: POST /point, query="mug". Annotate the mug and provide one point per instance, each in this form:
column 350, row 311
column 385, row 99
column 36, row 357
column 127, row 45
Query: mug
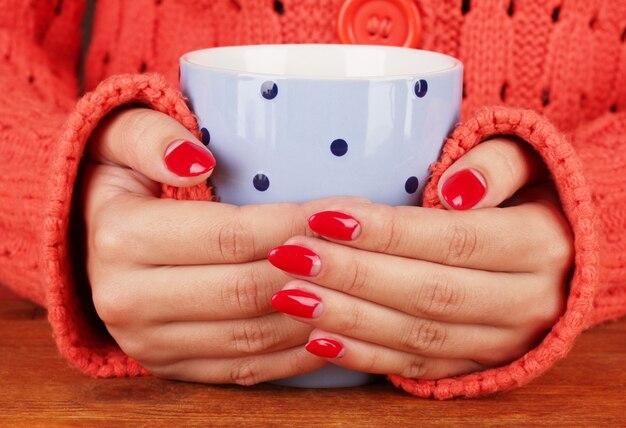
column 290, row 123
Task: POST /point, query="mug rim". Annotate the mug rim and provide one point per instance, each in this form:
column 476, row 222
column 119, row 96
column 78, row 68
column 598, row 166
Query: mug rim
column 197, row 59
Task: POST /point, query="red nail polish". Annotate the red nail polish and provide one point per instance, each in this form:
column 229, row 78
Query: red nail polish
column 325, row 348
column 463, row 190
column 187, row 159
column 335, row 225
column 297, row 303
column 295, row 259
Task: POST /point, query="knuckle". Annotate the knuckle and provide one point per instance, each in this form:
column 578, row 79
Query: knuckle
column 391, row 238
column 357, row 278
column 423, row 337
column 554, row 235
column 546, row 313
column 559, row 253
column 109, row 240
column 235, row 242
column 135, row 124
column 507, row 159
column 415, row 369
column 244, row 372
column 299, row 214
column 248, row 295
column 253, row 336
column 112, row 305
column 352, row 321
column 136, row 348
column 437, row 297
column 372, row 362
column 462, row 242
column 297, row 363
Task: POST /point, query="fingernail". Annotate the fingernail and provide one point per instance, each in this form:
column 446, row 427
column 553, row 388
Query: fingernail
column 464, row 189
column 335, row 225
column 187, row 159
column 295, row 259
column 325, row 348
column 297, row 303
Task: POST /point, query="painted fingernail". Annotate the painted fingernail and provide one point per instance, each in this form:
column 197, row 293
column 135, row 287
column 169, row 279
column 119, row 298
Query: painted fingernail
column 187, row 159
column 325, row 348
column 464, row 189
column 297, row 303
column 335, row 225
column 295, row 259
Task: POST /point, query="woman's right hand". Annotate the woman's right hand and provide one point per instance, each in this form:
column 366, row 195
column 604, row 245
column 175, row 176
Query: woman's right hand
column 184, row 287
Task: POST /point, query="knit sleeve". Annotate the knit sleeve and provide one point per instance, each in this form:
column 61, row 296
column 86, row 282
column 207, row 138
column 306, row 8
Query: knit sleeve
column 39, row 52
column 44, row 129
column 587, row 168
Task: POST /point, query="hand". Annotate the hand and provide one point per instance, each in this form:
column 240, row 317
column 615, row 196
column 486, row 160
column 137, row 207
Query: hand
column 428, row 293
column 183, row 286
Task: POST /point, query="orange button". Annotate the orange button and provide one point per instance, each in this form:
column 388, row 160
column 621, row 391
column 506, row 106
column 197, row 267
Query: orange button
column 380, row 22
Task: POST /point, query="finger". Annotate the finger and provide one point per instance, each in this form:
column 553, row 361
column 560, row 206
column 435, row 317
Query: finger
column 339, row 313
column 478, row 239
column 153, row 144
column 355, row 354
column 489, row 174
column 171, row 232
column 178, row 341
column 414, row 287
column 242, row 371
column 188, row 293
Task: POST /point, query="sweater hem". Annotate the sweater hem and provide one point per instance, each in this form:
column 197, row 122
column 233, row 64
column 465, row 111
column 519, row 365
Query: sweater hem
column 86, row 346
column 561, row 160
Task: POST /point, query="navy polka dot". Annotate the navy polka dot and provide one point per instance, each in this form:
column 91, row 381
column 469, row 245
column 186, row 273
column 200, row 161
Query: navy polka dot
column 421, row 87
column 206, row 136
column 339, row 147
column 411, row 184
column 261, row 182
column 269, row 90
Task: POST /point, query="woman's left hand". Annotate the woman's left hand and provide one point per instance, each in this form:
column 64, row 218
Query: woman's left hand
column 428, row 293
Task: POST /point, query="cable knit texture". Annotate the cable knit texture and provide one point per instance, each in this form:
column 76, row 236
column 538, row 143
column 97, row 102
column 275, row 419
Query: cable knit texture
column 552, row 72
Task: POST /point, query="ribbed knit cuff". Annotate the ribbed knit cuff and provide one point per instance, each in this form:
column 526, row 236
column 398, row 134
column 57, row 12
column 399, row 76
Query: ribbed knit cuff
column 78, row 337
column 565, row 167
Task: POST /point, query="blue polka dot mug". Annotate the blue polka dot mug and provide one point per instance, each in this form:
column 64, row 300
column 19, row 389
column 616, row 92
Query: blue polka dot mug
column 289, row 123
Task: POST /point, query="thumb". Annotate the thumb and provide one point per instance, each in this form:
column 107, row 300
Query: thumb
column 153, row 144
column 489, row 174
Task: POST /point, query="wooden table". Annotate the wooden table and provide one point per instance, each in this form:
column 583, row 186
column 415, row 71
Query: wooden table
column 39, row 389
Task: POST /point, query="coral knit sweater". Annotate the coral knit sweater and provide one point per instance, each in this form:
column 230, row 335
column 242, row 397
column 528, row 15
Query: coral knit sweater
column 552, row 72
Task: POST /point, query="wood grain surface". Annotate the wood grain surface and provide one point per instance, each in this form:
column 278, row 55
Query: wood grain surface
column 38, row 388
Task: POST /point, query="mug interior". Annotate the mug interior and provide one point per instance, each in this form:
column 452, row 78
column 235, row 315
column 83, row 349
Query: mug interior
column 323, row 60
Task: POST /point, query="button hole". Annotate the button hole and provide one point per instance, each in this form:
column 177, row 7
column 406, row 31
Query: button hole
column 385, row 28
column 555, row 14
column 105, row 58
column 545, row 97
column 613, row 108
column 31, row 79
column 143, row 67
column 511, row 9
column 622, row 37
column 503, row 89
column 372, row 25
column 465, row 6
column 279, row 7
